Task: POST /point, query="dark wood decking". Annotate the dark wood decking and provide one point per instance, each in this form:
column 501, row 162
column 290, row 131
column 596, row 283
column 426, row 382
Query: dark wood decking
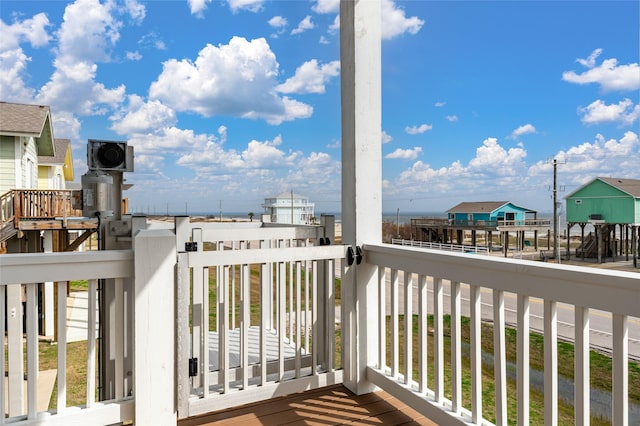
column 333, row 405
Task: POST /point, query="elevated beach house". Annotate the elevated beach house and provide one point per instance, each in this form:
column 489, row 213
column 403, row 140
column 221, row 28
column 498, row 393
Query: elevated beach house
column 261, row 317
column 487, row 217
column 612, row 206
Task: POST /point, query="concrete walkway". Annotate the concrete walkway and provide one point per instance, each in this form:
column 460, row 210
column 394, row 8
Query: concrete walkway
column 77, row 314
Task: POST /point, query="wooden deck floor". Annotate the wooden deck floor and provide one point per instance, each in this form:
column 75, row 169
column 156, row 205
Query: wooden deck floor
column 333, row 405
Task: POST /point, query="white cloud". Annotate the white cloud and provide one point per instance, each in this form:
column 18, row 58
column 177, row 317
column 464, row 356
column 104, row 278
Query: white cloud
column 198, row 7
column 609, row 75
column 304, row 25
column 13, row 64
column 405, row 154
column 624, row 112
column 236, row 79
column 395, row 22
column 590, row 62
column 13, row 60
column 134, row 56
column 141, row 117
column 248, row 5
column 326, row 6
column 86, row 36
column 386, row 138
column 492, row 167
column 33, row 30
column 522, row 130
column 439, row 104
column 415, row 130
column 452, row 118
column 278, row 22
column 492, row 156
column 213, row 159
column 135, row 10
column 152, row 40
column 310, row 77
column 602, row 157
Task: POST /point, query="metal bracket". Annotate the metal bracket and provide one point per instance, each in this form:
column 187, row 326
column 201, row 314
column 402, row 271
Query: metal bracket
column 354, row 256
column 358, row 255
column 193, row 366
column 191, row 246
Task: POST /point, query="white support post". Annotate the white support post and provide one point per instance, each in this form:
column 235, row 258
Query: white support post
column 49, row 317
column 550, row 362
column 154, row 332
column 360, row 58
column 620, row 409
column 16, row 353
column 582, row 372
column 523, row 359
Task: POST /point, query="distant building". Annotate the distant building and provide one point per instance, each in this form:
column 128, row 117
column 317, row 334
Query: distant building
column 612, row 207
column 289, row 208
column 493, row 213
column 605, row 200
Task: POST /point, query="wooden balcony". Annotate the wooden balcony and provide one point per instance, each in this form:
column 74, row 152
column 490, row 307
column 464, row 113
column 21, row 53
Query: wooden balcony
column 35, row 209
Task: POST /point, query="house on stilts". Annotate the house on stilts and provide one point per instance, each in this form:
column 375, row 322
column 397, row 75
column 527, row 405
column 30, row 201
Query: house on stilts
column 612, row 207
column 485, row 217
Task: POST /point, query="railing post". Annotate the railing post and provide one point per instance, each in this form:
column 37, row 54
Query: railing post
column 360, row 58
column 154, row 328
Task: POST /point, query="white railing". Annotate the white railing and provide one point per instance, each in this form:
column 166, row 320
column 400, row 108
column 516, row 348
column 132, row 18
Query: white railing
column 467, row 278
column 255, row 314
column 457, row 248
column 19, row 277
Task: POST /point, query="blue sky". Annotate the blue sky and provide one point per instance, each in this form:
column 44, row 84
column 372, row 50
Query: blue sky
column 230, row 102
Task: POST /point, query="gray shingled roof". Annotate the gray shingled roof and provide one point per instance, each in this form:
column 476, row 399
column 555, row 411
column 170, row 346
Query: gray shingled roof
column 481, row 207
column 22, row 119
column 477, row 207
column 61, row 146
column 630, row 186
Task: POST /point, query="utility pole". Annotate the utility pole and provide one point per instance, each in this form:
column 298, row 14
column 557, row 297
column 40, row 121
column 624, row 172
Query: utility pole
column 556, row 219
column 556, row 240
column 220, row 210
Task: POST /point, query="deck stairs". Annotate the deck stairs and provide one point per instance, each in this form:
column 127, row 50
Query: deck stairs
column 590, row 246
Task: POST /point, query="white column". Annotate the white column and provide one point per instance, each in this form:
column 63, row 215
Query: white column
column 49, row 320
column 360, row 57
column 154, row 328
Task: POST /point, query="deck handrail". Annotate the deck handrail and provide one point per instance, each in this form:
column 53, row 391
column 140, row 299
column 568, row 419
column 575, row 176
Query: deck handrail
column 458, row 248
column 6, row 208
column 26, row 271
column 532, row 223
column 615, row 292
column 44, row 204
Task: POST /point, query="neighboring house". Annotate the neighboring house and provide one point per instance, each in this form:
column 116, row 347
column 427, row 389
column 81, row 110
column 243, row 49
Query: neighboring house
column 289, row 208
column 55, row 171
column 26, row 133
column 610, row 200
column 612, row 207
column 489, row 212
column 486, row 217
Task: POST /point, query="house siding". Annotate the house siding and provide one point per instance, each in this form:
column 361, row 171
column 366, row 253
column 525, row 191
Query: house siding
column 614, row 205
column 7, row 163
